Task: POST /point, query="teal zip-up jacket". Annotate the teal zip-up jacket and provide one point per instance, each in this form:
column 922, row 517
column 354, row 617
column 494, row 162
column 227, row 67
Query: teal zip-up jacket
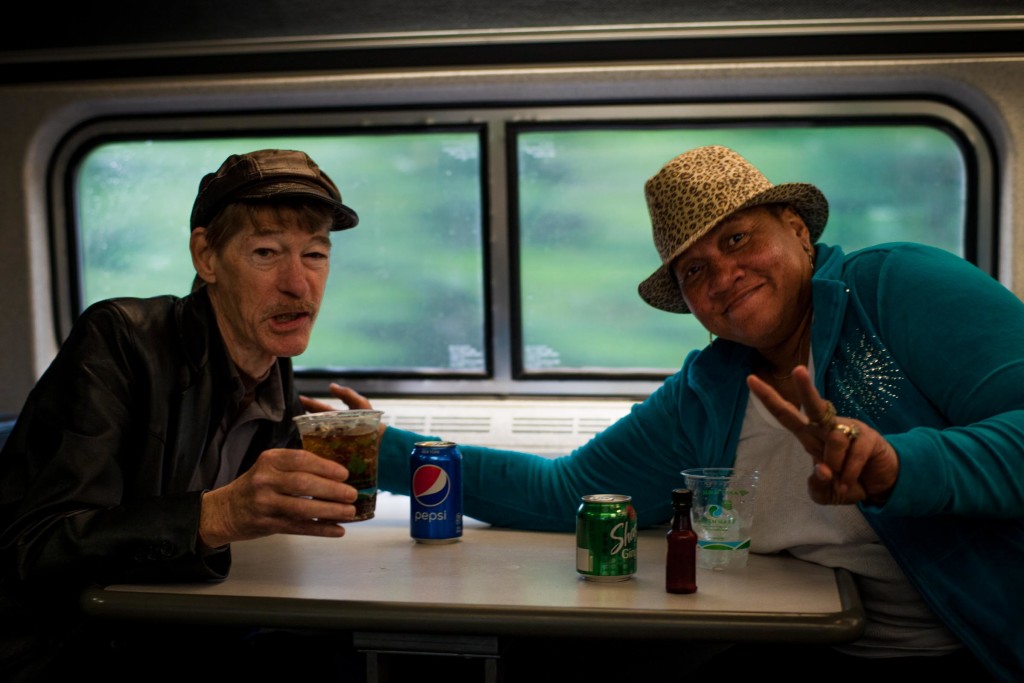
column 914, row 341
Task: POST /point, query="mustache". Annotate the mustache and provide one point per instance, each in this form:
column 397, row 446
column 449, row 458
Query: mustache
column 292, row 309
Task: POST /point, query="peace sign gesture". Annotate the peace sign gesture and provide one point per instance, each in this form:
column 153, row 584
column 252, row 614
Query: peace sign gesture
column 852, row 461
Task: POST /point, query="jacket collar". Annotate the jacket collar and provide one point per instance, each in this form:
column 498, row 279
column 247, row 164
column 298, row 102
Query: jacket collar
column 198, row 335
column 828, row 296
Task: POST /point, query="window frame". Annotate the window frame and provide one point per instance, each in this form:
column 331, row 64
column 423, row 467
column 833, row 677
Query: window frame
column 505, row 375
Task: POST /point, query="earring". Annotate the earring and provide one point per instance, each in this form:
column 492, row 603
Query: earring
column 711, row 338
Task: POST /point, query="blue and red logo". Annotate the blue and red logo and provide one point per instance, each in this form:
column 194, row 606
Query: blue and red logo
column 430, row 485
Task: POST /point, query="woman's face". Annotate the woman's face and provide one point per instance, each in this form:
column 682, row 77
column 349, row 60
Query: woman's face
column 748, row 279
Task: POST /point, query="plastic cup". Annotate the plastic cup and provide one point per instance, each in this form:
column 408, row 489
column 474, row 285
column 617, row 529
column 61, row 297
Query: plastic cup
column 722, row 515
column 352, row 438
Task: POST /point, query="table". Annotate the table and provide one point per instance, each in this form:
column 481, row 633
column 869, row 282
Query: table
column 399, row 595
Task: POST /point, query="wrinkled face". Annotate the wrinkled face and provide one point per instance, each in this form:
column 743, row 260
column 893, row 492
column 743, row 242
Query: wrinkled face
column 748, row 279
column 266, row 283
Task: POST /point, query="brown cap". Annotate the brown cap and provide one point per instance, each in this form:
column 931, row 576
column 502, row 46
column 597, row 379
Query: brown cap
column 266, row 175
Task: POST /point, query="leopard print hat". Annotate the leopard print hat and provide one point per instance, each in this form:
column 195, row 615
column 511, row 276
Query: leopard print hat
column 694, row 192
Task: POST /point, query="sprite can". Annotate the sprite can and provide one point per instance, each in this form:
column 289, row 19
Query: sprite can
column 606, row 537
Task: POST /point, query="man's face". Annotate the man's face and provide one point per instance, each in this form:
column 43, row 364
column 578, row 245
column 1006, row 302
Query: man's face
column 748, row 279
column 266, row 284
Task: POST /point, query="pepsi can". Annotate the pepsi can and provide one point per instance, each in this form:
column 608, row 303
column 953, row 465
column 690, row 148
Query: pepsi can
column 435, row 471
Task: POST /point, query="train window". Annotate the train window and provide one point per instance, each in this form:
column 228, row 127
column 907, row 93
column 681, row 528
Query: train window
column 415, row 262
column 499, row 250
column 585, row 235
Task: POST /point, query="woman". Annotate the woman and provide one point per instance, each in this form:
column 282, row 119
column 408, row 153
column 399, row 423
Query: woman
column 897, row 369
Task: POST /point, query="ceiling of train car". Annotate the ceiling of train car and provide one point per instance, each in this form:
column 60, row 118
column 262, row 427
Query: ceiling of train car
column 120, row 22
column 128, row 37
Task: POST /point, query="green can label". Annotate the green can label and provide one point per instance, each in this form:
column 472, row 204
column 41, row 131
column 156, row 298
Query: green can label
column 606, row 537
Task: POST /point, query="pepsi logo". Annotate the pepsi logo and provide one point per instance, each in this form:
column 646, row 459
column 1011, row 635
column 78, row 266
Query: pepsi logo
column 430, row 485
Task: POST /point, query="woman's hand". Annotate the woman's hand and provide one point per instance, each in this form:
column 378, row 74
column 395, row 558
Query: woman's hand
column 350, row 397
column 852, row 461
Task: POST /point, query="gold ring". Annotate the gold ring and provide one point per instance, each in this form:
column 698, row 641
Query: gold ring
column 850, row 431
column 828, row 418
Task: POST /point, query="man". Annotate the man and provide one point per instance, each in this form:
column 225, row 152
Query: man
column 162, row 431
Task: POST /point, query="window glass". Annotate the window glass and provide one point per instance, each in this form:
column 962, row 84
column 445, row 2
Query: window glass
column 406, row 289
column 407, row 296
column 585, row 239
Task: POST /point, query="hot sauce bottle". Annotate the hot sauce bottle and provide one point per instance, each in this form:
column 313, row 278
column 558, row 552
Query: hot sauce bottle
column 681, row 558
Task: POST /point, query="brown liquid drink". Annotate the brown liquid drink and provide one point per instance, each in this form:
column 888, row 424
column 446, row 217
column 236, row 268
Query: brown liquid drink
column 350, row 437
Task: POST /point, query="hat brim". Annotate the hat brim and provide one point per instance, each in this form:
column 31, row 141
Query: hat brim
column 661, row 290
column 344, row 216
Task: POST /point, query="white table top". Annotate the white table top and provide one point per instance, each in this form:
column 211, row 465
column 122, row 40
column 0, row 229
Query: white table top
column 494, row 581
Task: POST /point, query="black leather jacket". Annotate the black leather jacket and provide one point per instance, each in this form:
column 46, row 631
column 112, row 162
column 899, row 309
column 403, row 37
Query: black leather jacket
column 94, row 479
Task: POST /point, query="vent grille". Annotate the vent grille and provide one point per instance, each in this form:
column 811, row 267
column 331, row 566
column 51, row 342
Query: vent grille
column 545, row 427
column 463, row 425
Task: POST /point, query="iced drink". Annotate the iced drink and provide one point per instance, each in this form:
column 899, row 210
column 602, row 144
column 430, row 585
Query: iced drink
column 350, row 437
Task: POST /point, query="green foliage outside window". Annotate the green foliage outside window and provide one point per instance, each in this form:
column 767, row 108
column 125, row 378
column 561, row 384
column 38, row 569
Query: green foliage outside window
column 586, row 237
column 406, row 285
column 406, row 290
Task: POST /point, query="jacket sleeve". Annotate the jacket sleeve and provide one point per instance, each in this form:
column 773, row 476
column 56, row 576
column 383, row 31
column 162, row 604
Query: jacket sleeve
column 638, row 456
column 81, row 494
column 959, row 337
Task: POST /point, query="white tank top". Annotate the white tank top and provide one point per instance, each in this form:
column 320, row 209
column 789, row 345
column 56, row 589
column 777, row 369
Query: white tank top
column 786, row 519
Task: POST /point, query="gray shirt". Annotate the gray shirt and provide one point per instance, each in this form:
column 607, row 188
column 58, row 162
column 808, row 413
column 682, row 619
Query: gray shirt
column 263, row 400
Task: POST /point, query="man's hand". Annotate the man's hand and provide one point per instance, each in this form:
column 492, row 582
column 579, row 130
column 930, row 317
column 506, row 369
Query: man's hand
column 286, row 491
column 852, row 461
